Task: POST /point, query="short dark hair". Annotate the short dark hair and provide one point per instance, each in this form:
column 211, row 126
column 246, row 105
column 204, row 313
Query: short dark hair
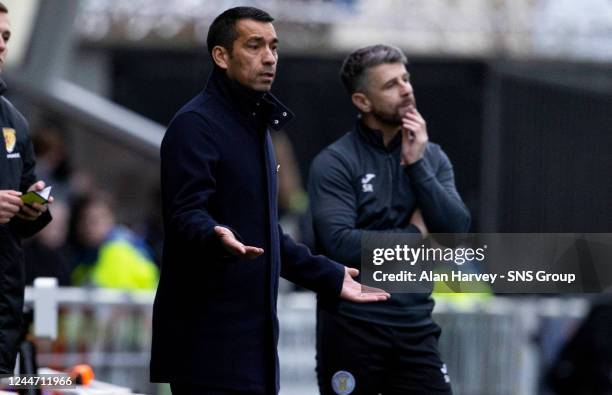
column 353, row 71
column 3, row 8
column 223, row 29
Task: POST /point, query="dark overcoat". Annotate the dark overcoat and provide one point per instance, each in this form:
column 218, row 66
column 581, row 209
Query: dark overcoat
column 214, row 318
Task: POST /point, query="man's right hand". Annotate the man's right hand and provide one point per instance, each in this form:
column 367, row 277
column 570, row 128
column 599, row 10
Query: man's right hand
column 10, row 205
column 234, row 247
column 417, row 220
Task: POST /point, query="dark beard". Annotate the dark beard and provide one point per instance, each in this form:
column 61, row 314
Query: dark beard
column 387, row 119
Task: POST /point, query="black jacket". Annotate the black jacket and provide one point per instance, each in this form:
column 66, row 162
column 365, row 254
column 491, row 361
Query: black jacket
column 16, row 173
column 214, row 318
column 356, row 186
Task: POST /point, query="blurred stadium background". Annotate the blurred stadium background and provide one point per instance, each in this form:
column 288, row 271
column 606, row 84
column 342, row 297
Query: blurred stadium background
column 517, row 92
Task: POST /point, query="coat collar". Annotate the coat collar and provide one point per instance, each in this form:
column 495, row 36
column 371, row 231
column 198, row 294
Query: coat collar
column 262, row 106
column 375, row 138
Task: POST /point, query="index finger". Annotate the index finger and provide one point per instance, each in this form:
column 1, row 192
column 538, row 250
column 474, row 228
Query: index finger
column 14, row 199
column 38, row 207
column 252, row 252
column 414, row 117
column 365, row 298
column 366, row 289
column 234, row 246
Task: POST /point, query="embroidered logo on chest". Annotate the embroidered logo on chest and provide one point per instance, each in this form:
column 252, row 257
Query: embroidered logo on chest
column 366, row 186
column 10, row 138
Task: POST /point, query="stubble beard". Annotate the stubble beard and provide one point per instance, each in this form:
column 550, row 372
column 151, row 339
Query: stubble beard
column 393, row 120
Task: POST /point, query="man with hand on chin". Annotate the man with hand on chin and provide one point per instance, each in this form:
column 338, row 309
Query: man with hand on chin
column 384, row 176
column 215, row 328
column 17, row 220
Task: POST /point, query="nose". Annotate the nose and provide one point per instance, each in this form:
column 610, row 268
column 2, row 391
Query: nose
column 269, row 57
column 406, row 88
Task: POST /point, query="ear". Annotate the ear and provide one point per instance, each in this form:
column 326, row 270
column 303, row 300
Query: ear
column 220, row 56
column 362, row 102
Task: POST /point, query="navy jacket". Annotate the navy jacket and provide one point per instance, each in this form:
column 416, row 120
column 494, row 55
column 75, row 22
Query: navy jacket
column 16, row 173
column 356, row 186
column 214, row 318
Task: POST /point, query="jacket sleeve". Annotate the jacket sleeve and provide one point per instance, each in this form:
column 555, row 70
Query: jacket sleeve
column 189, row 156
column 22, row 227
column 314, row 272
column 437, row 197
column 334, row 210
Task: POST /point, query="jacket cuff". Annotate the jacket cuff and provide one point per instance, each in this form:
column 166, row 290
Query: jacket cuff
column 27, row 229
column 419, row 171
column 329, row 283
column 336, row 279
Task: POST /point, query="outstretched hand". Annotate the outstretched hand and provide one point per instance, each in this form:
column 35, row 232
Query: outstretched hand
column 234, row 247
column 355, row 292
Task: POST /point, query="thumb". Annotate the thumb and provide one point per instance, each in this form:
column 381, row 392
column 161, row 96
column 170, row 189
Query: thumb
column 38, row 186
column 352, row 272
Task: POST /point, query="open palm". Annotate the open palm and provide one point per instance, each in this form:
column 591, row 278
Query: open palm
column 355, row 292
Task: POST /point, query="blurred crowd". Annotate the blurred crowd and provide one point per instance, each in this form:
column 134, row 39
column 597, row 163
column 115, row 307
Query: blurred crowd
column 85, row 245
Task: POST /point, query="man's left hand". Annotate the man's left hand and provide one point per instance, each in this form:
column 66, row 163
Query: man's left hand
column 414, row 137
column 35, row 210
column 355, row 292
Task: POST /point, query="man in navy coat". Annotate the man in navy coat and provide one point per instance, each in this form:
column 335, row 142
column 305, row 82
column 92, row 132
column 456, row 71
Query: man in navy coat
column 215, row 327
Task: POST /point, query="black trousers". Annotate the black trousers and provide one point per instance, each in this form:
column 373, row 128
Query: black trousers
column 362, row 358
column 190, row 389
column 12, row 284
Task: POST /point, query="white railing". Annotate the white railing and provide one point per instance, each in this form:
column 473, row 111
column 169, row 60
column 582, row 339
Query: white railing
column 487, row 344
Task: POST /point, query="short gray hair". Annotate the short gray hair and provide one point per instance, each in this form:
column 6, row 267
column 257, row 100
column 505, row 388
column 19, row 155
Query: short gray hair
column 353, row 71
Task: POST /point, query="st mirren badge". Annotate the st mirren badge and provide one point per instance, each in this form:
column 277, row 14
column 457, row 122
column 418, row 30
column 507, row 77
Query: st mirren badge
column 343, row 382
column 10, row 139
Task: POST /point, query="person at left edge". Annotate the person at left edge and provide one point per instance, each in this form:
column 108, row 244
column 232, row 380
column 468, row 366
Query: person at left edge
column 215, row 327
column 17, row 220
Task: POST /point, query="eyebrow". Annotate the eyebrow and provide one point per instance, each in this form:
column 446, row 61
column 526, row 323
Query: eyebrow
column 406, row 74
column 260, row 38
